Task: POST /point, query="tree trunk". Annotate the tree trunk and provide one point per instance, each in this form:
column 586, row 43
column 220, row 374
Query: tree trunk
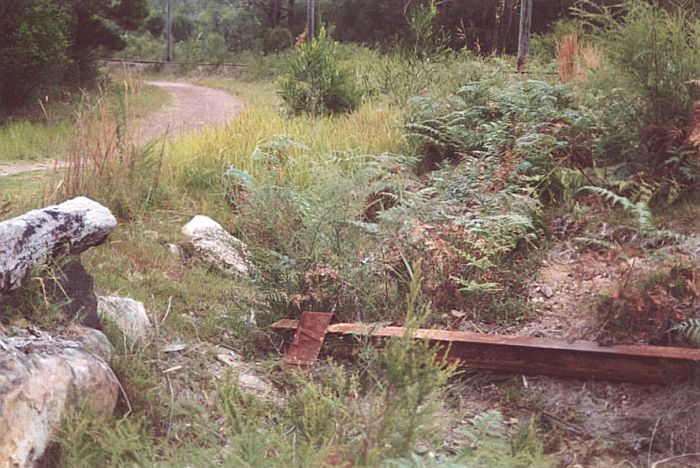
column 40, row 235
column 290, row 14
column 524, row 34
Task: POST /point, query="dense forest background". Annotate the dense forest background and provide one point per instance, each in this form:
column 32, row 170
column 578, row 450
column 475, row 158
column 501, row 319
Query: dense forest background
column 48, row 44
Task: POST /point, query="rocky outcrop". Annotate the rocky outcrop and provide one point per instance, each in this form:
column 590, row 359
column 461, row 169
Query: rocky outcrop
column 128, row 315
column 39, row 235
column 215, row 247
column 41, row 379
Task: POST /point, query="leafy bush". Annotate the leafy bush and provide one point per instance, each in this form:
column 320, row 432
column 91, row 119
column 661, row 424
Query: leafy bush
column 643, row 98
column 277, row 40
column 183, row 27
column 655, row 52
column 315, row 83
column 34, row 47
column 155, row 25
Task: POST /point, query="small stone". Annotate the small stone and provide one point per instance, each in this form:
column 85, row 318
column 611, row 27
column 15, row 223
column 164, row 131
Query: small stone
column 174, row 347
column 174, row 250
column 546, row 291
column 254, row 383
column 215, row 247
column 128, row 315
column 151, row 235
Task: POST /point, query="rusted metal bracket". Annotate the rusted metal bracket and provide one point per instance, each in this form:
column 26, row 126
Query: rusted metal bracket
column 309, row 336
column 578, row 359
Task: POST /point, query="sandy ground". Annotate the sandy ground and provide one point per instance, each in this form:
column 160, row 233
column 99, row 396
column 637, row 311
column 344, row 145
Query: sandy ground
column 190, row 108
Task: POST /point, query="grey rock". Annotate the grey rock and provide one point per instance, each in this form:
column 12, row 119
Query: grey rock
column 128, row 315
column 93, row 341
column 215, row 247
column 39, row 235
column 41, row 379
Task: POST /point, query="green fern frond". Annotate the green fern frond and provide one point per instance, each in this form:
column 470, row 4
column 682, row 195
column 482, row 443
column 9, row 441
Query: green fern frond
column 690, row 328
column 640, row 211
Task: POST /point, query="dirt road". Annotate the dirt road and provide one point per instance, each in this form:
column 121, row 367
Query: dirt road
column 190, row 108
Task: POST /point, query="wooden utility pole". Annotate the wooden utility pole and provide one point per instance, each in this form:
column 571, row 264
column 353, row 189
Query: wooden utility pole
column 524, row 34
column 311, row 18
column 169, row 32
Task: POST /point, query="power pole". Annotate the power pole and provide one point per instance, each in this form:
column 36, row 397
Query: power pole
column 169, row 32
column 311, row 18
column 524, row 34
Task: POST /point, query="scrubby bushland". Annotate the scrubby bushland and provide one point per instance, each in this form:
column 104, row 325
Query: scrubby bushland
column 45, row 43
column 653, row 53
column 34, row 48
column 277, row 40
column 315, row 83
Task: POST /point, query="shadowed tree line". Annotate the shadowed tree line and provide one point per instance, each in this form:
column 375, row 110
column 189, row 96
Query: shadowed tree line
column 49, row 42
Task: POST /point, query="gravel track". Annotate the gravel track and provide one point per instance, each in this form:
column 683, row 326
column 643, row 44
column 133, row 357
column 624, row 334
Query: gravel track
column 191, row 108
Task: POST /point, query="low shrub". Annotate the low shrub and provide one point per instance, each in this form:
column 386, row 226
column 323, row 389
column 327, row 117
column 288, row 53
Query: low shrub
column 277, row 40
column 315, row 83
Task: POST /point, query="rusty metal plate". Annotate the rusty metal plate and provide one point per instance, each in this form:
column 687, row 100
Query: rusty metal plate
column 308, row 338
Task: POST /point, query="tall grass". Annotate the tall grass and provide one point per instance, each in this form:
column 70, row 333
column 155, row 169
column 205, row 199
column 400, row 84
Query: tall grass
column 197, row 162
column 104, row 162
column 25, row 141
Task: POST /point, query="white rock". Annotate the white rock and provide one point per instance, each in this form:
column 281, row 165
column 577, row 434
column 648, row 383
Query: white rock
column 35, row 237
column 216, row 247
column 128, row 315
column 174, row 250
column 41, row 379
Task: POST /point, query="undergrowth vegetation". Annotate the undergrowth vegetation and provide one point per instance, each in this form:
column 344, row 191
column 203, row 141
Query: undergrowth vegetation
column 419, row 187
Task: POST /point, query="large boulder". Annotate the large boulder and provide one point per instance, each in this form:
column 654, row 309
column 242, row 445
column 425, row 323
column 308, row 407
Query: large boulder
column 41, row 379
column 215, row 247
column 128, row 315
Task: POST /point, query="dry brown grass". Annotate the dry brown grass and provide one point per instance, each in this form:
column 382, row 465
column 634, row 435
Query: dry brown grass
column 576, row 60
column 567, row 58
column 105, row 163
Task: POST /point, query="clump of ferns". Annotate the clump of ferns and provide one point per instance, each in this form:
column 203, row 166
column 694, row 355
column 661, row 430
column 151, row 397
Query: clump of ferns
column 639, row 211
column 689, row 328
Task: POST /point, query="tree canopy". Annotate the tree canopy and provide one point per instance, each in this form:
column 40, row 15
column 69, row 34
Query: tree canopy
column 47, row 41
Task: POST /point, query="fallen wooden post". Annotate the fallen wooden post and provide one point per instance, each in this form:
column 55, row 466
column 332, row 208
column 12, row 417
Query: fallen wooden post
column 523, row 355
column 40, row 235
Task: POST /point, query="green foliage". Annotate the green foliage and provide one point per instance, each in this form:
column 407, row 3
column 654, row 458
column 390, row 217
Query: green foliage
column 45, row 43
column 421, row 23
column 315, row 83
column 155, row 25
column 492, row 446
column 654, row 52
column 85, row 441
column 277, row 40
column 362, row 416
column 639, row 211
column 34, row 48
column 183, row 27
column 690, row 328
column 489, row 122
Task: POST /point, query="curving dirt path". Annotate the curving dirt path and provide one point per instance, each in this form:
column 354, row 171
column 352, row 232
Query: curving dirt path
column 191, row 108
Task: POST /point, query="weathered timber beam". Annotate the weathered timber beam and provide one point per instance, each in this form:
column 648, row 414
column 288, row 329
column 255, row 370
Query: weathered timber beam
column 39, row 235
column 526, row 355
